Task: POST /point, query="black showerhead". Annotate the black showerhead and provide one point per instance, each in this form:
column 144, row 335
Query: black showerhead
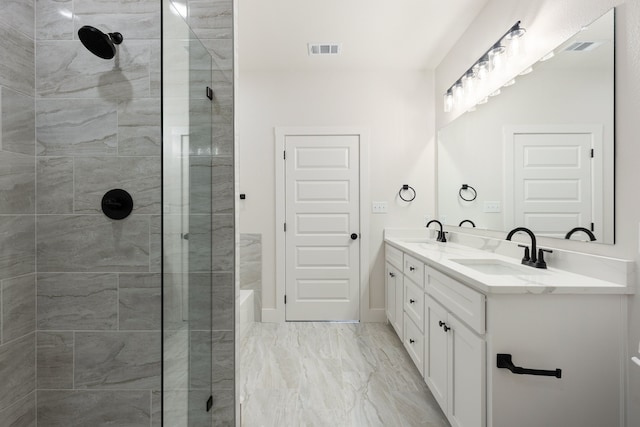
column 99, row 43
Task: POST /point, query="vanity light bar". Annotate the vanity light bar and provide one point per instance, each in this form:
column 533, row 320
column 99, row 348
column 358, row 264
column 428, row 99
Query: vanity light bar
column 490, row 60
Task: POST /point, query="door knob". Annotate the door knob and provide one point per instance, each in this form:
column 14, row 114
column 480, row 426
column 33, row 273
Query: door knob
column 354, row 236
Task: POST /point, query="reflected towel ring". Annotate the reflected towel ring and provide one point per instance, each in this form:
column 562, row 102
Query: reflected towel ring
column 470, row 188
column 407, row 187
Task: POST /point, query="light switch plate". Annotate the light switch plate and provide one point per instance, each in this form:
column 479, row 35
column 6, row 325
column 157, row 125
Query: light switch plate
column 491, row 207
column 379, row 207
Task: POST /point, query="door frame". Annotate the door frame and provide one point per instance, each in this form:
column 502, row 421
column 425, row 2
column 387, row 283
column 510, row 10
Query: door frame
column 279, row 314
column 597, row 170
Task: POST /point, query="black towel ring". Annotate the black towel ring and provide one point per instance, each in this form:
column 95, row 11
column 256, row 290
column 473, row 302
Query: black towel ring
column 406, row 187
column 468, row 187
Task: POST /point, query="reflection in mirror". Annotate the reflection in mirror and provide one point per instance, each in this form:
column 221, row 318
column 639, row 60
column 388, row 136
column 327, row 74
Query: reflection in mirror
column 540, row 154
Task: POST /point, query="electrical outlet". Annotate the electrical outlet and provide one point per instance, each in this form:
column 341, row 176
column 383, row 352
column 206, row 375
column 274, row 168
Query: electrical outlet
column 491, row 207
column 379, row 207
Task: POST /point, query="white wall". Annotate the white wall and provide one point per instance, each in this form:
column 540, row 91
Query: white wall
column 549, row 22
column 396, row 108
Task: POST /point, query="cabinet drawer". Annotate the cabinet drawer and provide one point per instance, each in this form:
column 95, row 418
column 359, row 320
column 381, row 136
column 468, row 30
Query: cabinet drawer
column 393, row 256
column 414, row 303
column 465, row 303
column 414, row 270
column 414, row 343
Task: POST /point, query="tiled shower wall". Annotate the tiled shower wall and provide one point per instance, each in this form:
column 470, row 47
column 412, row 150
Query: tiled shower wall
column 251, row 269
column 17, row 214
column 96, row 284
column 98, row 280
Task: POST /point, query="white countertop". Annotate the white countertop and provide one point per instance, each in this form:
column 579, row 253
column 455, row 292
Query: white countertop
column 524, row 280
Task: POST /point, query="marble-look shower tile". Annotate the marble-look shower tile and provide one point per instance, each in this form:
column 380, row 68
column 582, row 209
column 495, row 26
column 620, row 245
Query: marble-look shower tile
column 200, row 244
column 54, row 360
column 222, row 135
column 176, row 408
column 94, row 408
column 140, row 306
column 139, row 127
column 94, row 176
column 200, row 185
column 134, row 19
column 18, row 307
column 17, row 73
column 222, row 189
column 222, row 305
column 82, row 127
column 198, row 416
column 92, row 243
column 54, row 180
column 223, row 235
column 155, row 243
column 77, row 301
column 155, row 67
column 176, row 360
column 206, row 18
column 18, row 14
column 156, row 409
column 17, row 184
column 20, row 414
column 200, row 360
column 223, row 411
column 18, row 258
column 222, row 368
column 17, row 122
column 54, row 20
column 221, row 51
column 17, row 369
column 117, row 360
column 66, row 69
column 200, row 305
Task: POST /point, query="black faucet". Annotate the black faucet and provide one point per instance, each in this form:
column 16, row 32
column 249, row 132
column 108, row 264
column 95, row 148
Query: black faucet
column 467, row 220
column 530, row 260
column 585, row 230
column 441, row 237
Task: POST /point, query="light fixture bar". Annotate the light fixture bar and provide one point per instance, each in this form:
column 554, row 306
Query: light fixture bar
column 481, row 68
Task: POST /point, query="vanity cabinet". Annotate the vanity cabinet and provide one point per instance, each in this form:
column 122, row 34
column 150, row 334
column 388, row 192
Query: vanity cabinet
column 453, row 332
column 454, row 366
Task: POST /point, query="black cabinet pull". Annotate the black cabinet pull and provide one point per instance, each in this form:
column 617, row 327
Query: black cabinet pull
column 411, row 301
column 443, row 325
column 411, row 341
column 411, row 268
column 392, row 274
column 504, row 361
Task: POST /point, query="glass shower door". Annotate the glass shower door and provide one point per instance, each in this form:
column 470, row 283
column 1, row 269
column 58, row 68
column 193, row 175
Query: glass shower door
column 187, row 226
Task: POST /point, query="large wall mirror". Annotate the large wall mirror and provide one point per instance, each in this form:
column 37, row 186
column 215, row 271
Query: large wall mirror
column 541, row 153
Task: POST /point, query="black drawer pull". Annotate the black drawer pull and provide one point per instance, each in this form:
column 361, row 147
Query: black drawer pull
column 411, row 341
column 411, row 301
column 392, row 274
column 411, row 268
column 504, row 361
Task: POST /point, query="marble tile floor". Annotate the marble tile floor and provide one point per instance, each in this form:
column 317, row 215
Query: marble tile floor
column 331, row 374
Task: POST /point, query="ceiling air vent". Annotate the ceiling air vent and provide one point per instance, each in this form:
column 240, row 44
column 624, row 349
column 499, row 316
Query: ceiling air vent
column 324, row 48
column 582, row 46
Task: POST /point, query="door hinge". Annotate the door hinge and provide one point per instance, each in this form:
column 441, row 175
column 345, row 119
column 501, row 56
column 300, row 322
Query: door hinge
column 209, row 93
column 209, row 403
column 285, row 227
column 285, row 299
column 284, row 155
column 592, row 153
column 592, row 227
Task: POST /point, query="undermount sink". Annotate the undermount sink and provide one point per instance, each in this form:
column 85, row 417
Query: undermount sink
column 496, row 267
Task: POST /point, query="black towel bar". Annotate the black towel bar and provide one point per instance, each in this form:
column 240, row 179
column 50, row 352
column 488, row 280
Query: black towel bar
column 504, row 361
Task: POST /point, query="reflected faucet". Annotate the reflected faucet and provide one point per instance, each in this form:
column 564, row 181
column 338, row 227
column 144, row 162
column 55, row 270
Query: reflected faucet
column 441, row 237
column 527, row 259
column 467, row 220
column 585, row 230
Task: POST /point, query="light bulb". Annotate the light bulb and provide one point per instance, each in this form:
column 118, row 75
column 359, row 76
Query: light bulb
column 458, row 91
column 482, row 69
column 495, row 55
column 448, row 101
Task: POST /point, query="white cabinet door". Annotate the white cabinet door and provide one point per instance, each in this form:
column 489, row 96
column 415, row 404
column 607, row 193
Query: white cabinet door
column 399, row 305
column 466, row 400
column 436, row 349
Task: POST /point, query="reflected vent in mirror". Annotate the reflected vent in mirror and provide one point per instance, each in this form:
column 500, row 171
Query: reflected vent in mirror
column 582, row 46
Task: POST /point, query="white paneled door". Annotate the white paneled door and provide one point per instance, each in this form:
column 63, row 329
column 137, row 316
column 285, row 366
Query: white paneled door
column 322, row 237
